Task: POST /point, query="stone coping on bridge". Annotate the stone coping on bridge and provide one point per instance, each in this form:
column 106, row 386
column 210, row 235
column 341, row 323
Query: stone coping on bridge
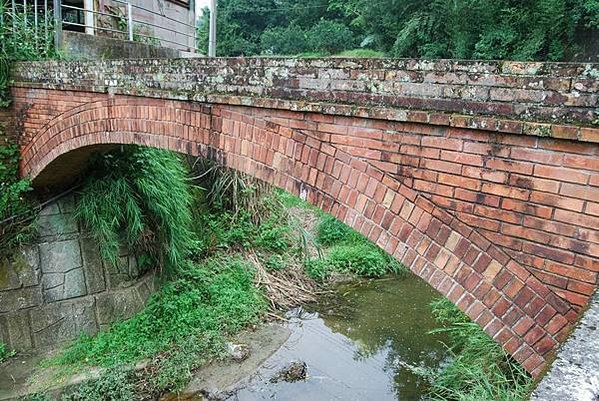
column 557, row 100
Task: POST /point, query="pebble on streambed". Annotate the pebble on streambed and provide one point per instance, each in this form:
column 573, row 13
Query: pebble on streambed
column 294, row 371
column 238, row 352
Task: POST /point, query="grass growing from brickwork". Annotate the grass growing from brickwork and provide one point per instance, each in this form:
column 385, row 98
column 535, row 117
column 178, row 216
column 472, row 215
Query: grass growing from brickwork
column 479, row 369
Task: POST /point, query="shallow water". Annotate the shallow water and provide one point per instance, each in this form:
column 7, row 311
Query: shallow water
column 357, row 345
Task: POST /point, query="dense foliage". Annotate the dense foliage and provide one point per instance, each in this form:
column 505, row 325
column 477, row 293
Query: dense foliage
column 16, row 211
column 474, row 29
column 19, row 40
column 138, row 198
column 208, row 299
column 479, row 369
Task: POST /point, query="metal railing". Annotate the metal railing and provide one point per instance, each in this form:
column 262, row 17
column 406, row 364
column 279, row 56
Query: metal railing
column 128, row 25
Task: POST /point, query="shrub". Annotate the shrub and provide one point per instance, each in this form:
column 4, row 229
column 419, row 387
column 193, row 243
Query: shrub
column 16, row 210
column 330, row 37
column 5, row 353
column 349, row 252
column 229, row 231
column 331, row 231
column 138, row 197
column 213, row 299
column 288, row 40
column 115, row 384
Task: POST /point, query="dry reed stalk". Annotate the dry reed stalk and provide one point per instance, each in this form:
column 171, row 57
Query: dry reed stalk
column 285, row 289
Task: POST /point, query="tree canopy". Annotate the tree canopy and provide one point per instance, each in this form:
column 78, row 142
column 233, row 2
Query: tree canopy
column 554, row 30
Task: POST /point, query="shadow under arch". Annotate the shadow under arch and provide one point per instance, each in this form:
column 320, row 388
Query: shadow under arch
column 487, row 284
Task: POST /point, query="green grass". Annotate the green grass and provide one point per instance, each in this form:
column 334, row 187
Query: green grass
column 115, row 384
column 228, row 231
column 5, row 352
column 348, row 252
column 479, row 369
column 213, row 299
column 354, row 53
column 361, row 53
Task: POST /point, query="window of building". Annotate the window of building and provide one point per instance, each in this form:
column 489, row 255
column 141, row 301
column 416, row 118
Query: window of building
column 184, row 3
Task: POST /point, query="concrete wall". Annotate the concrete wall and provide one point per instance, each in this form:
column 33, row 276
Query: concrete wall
column 58, row 288
column 90, row 47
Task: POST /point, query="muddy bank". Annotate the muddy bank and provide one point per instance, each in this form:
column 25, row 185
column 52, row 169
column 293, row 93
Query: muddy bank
column 16, row 375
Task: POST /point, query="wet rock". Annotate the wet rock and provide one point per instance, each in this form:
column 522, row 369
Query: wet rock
column 238, row 352
column 295, row 371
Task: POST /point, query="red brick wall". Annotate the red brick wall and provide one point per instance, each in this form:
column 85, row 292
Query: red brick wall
column 301, row 153
column 536, row 198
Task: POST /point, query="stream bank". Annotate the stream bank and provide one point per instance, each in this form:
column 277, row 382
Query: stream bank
column 359, row 342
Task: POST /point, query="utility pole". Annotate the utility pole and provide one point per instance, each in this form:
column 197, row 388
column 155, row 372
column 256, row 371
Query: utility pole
column 57, row 24
column 212, row 32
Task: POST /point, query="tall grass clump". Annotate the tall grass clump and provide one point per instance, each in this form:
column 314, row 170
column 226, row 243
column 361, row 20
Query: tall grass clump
column 479, row 369
column 225, row 189
column 139, row 198
column 348, row 252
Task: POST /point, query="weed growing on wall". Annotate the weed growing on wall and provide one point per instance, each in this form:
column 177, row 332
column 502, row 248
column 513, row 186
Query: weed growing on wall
column 5, row 352
column 19, row 40
column 479, row 369
column 16, row 211
column 138, row 198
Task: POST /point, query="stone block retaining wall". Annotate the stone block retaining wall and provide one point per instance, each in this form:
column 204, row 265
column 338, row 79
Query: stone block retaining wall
column 58, row 288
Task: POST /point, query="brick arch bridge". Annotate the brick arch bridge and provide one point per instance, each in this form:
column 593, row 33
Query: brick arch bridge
column 482, row 178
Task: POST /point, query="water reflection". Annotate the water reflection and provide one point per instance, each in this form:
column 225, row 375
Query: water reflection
column 357, row 344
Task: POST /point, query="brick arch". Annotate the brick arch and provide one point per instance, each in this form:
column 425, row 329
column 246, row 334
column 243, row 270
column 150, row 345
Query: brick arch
column 509, row 303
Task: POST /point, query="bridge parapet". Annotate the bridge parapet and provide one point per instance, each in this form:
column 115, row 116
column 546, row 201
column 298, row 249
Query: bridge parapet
column 558, row 100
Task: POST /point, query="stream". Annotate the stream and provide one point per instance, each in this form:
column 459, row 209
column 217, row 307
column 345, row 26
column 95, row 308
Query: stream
column 356, row 344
